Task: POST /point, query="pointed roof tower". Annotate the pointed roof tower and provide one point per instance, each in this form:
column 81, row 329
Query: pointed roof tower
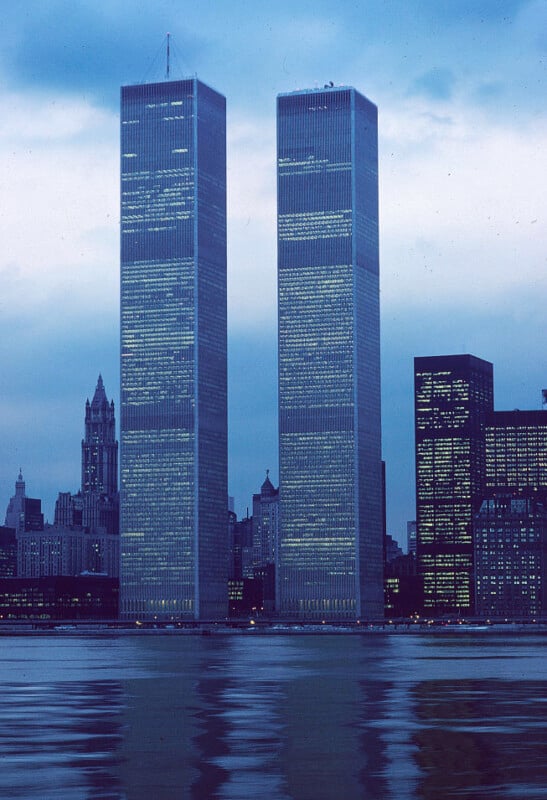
column 99, row 446
column 100, row 395
column 20, row 484
column 16, row 504
column 267, row 487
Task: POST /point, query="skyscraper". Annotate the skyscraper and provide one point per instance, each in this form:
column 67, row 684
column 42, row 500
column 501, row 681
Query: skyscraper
column 511, row 557
column 511, row 527
column 173, row 351
column 99, row 445
column 452, row 395
column 330, row 547
column 100, row 463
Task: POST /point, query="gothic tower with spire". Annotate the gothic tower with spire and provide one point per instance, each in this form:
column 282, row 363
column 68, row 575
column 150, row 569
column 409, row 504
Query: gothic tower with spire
column 99, row 458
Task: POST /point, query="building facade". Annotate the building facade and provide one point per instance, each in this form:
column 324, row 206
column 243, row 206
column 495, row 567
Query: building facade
column 24, row 513
column 8, row 552
column 516, row 453
column 265, row 524
column 511, row 527
column 173, row 351
column 59, row 597
column 411, row 537
column 452, row 396
column 330, row 542
column 511, row 558
column 67, row 551
column 69, row 510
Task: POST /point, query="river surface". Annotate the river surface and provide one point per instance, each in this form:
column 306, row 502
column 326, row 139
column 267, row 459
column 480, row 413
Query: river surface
column 273, row 717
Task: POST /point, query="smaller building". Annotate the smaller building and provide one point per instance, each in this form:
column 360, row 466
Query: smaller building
column 8, row 552
column 411, row 537
column 392, row 548
column 240, row 533
column 265, row 524
column 511, row 557
column 69, row 510
column 403, row 588
column 244, row 597
column 266, row 541
column 24, row 513
column 59, row 598
column 57, row 551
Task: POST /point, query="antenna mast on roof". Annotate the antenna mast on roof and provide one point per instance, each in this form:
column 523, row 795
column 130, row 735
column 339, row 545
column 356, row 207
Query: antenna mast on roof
column 167, row 70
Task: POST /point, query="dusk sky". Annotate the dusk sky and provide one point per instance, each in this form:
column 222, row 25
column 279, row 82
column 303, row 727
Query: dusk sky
column 461, row 91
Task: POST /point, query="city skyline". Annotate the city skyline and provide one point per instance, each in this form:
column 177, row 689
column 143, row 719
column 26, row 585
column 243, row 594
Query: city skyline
column 462, row 153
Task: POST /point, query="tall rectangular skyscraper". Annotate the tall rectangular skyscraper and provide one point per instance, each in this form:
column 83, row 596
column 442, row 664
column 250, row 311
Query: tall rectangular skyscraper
column 452, row 396
column 330, row 548
column 173, row 351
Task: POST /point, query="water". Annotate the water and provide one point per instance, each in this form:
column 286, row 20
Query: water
column 278, row 717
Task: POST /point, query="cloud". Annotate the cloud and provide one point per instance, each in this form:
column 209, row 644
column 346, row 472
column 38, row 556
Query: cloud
column 92, row 47
column 436, row 83
column 59, row 220
column 462, row 207
column 252, row 255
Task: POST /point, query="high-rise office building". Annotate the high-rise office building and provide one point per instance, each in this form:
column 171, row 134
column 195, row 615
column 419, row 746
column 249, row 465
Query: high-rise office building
column 452, row 395
column 516, row 452
column 173, row 351
column 511, row 527
column 511, row 557
column 265, row 524
column 330, row 545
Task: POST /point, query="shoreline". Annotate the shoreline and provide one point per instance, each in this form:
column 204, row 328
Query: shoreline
column 87, row 629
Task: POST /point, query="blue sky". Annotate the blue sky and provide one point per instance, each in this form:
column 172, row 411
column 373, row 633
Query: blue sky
column 460, row 86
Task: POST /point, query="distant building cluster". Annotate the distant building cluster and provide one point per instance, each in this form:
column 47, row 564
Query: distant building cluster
column 69, row 569
column 315, row 548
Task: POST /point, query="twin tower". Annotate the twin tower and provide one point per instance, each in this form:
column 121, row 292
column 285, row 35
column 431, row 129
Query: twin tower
column 174, row 354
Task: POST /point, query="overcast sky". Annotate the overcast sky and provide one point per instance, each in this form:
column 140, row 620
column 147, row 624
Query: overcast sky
column 461, row 90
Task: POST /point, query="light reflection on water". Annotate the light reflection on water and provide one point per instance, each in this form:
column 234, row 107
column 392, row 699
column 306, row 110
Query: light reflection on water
column 280, row 718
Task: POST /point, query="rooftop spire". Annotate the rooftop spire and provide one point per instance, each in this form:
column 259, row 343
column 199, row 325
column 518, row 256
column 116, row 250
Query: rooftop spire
column 167, row 68
column 267, row 487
